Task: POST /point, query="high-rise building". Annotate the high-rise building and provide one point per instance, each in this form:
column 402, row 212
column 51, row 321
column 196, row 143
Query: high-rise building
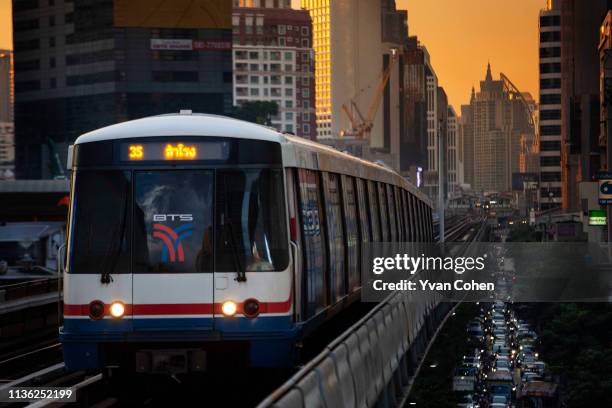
column 498, row 118
column 7, row 144
column 466, row 130
column 6, row 86
column 413, row 142
column 273, row 61
column 352, row 50
column 80, row 65
column 435, row 122
column 580, row 150
column 550, row 105
column 7, row 151
column 454, row 161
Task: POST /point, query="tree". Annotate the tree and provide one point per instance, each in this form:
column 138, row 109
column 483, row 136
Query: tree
column 260, row 112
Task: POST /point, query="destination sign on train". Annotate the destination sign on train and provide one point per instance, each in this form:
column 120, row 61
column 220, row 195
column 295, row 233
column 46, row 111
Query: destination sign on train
column 174, row 151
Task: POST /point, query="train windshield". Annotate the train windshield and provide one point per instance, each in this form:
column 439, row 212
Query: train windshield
column 250, row 234
column 173, row 221
column 181, row 221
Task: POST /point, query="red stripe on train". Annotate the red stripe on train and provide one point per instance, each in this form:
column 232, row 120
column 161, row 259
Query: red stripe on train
column 177, row 308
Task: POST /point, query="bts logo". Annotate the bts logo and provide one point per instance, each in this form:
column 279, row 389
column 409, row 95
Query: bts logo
column 172, row 217
column 173, row 247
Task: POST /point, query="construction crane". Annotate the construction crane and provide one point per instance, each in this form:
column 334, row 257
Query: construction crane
column 529, row 108
column 361, row 129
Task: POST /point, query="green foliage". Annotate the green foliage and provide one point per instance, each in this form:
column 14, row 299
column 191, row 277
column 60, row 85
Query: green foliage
column 576, row 343
column 260, row 112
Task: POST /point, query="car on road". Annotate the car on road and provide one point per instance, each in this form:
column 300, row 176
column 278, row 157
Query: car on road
column 499, row 399
column 501, row 363
column 467, row 401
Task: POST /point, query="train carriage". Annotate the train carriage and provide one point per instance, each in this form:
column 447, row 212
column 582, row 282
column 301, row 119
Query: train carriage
column 197, row 237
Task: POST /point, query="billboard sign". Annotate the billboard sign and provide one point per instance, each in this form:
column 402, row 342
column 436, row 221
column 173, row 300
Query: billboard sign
column 173, row 13
column 212, row 45
column 178, row 44
column 597, row 217
column 171, row 44
column 605, row 188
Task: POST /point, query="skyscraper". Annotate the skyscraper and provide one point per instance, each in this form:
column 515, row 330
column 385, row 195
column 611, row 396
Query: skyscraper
column 494, row 124
column 352, row 51
column 413, row 142
column 550, row 106
column 580, row 150
column 466, row 129
column 6, row 86
column 454, row 162
column 7, row 144
column 273, row 61
column 81, row 65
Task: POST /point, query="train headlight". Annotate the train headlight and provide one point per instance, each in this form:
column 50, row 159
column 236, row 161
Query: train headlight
column 251, row 307
column 96, row 310
column 229, row 308
column 117, row 310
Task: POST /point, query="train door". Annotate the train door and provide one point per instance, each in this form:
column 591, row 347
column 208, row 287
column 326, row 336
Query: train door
column 173, row 250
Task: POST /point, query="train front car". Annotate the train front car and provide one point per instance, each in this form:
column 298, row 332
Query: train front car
column 178, row 251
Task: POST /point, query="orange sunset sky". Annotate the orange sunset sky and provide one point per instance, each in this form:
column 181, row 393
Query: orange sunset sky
column 461, row 37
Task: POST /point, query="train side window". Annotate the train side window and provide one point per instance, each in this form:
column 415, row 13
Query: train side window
column 393, row 217
column 399, row 201
column 401, row 198
column 362, row 204
column 374, row 213
column 417, row 220
column 410, row 207
column 384, row 211
column 313, row 238
column 335, row 239
column 429, row 224
column 408, row 223
column 422, row 237
column 351, row 231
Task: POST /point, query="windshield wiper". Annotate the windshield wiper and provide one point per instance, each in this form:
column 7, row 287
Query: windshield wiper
column 115, row 247
column 229, row 230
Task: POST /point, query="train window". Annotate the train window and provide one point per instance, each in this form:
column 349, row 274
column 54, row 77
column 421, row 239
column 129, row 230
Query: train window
column 415, row 215
column 374, row 213
column 314, row 241
column 384, row 211
column 392, row 213
column 250, row 217
column 101, row 225
column 397, row 193
column 409, row 207
column 364, row 210
column 409, row 220
column 399, row 198
column 421, row 221
column 351, row 233
column 335, row 239
column 173, row 221
column 429, row 224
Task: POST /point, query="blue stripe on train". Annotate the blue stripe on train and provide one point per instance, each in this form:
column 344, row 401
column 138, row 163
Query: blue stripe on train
column 124, row 329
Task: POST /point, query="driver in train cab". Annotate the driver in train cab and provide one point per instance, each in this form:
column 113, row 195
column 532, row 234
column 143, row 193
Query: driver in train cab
column 258, row 264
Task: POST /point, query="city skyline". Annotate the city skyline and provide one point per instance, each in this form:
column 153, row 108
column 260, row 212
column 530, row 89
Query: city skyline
column 459, row 65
